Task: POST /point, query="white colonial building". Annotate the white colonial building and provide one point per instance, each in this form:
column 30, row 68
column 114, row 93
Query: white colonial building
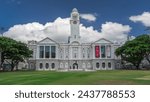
column 73, row 55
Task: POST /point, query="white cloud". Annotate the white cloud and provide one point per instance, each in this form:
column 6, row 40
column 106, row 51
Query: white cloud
column 59, row 30
column 115, row 31
column 88, row 17
column 143, row 18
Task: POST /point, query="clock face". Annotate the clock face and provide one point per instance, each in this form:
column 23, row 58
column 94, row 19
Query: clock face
column 74, row 22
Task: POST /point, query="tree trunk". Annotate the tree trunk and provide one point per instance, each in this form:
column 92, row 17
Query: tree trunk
column 12, row 66
column 17, row 66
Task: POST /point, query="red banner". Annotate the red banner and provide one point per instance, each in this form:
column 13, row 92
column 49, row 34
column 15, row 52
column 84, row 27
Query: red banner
column 97, row 52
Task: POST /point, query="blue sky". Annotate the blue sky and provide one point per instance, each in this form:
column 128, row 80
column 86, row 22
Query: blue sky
column 14, row 12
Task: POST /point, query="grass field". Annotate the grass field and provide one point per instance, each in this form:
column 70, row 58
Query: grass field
column 115, row 77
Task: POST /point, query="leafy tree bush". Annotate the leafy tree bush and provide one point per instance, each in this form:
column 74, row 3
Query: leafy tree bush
column 135, row 51
column 13, row 51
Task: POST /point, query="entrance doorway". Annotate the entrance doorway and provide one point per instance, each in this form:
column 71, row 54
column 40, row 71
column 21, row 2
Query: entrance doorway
column 75, row 66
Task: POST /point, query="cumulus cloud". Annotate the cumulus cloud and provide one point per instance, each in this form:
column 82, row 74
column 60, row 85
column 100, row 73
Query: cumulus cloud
column 144, row 18
column 59, row 30
column 88, row 17
column 115, row 31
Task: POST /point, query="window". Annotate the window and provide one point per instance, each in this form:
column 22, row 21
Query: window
column 47, row 52
column 66, row 52
column 83, row 55
column 108, row 51
column 41, row 65
column 53, row 65
column 83, row 52
column 41, row 52
column 97, row 65
column 88, row 52
column 46, row 65
column 75, row 52
column 109, row 65
column 75, row 49
column 103, row 51
column 103, row 65
column 75, row 55
column 88, row 55
column 53, row 51
column 31, row 65
column 97, row 51
column 61, row 53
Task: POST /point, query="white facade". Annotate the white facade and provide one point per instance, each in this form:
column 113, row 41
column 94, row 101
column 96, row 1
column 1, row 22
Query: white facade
column 74, row 55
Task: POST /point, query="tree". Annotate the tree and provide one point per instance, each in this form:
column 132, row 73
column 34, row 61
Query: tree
column 131, row 53
column 20, row 53
column 135, row 51
column 5, row 45
column 13, row 51
column 144, row 43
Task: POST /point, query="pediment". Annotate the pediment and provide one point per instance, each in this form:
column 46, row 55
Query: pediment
column 103, row 41
column 75, row 43
column 47, row 41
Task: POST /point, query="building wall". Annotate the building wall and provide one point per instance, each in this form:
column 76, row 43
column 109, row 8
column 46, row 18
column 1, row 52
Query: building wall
column 65, row 60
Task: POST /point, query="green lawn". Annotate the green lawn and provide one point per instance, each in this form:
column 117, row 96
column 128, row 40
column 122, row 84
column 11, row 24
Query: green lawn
column 115, row 77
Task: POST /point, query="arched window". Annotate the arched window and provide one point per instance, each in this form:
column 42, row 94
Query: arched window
column 97, row 65
column 53, row 65
column 47, row 65
column 103, row 65
column 109, row 64
column 31, row 66
column 41, row 65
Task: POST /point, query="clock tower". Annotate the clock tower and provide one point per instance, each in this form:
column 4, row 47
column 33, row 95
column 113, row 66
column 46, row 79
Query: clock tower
column 74, row 26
